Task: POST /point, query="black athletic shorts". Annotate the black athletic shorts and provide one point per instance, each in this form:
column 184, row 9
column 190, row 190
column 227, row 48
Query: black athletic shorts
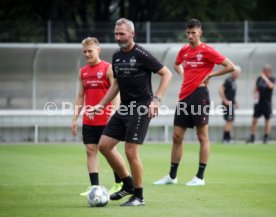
column 91, row 134
column 193, row 110
column 262, row 109
column 129, row 126
column 229, row 112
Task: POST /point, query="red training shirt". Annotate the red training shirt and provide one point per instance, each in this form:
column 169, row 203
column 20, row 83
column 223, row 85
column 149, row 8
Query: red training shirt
column 197, row 63
column 96, row 84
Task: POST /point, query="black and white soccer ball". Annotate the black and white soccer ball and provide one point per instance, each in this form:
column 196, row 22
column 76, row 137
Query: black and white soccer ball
column 98, row 196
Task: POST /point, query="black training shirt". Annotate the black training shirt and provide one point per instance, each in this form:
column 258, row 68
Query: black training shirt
column 265, row 93
column 133, row 71
column 230, row 89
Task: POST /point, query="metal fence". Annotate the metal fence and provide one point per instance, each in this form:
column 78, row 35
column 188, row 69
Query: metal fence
column 146, row 32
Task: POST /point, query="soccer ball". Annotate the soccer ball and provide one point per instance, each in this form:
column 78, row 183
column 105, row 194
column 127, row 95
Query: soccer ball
column 98, row 196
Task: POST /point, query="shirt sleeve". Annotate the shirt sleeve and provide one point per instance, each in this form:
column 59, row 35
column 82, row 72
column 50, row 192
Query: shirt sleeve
column 150, row 62
column 214, row 56
column 113, row 67
column 179, row 57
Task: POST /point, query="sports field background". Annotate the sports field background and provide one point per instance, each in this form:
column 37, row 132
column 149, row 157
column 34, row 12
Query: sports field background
column 46, row 179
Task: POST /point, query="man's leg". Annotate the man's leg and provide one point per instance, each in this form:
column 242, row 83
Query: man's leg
column 136, row 167
column 116, row 161
column 92, row 163
column 267, row 126
column 254, row 126
column 267, row 130
column 202, row 134
column 117, row 185
column 178, row 136
column 176, row 156
column 92, row 166
column 227, row 131
column 177, row 149
column 253, row 131
column 203, row 137
column 113, row 157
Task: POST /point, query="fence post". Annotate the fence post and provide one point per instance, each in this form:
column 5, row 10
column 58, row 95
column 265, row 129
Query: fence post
column 36, row 134
column 148, row 32
column 49, row 31
column 34, row 89
column 245, row 37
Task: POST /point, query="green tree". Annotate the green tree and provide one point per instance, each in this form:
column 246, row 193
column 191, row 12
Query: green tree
column 26, row 20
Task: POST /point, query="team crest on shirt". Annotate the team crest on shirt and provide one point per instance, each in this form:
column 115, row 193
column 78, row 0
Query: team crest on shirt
column 99, row 74
column 132, row 61
column 199, row 56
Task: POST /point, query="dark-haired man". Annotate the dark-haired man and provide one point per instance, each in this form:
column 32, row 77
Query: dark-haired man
column 194, row 63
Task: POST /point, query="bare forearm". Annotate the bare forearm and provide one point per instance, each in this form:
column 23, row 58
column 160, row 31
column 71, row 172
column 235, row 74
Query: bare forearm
column 228, row 66
column 78, row 107
column 222, row 71
column 178, row 69
column 115, row 103
column 268, row 82
column 110, row 95
column 166, row 77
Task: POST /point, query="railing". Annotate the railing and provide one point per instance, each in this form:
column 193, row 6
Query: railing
column 146, row 32
column 38, row 126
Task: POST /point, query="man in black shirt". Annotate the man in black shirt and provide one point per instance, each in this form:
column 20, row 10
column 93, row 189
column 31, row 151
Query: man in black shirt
column 227, row 93
column 132, row 68
column 263, row 92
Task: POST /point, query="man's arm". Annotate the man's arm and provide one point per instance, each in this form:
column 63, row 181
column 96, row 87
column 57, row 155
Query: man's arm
column 109, row 96
column 111, row 93
column 228, row 66
column 256, row 93
column 116, row 100
column 78, row 105
column 269, row 84
column 166, row 77
column 179, row 69
column 222, row 95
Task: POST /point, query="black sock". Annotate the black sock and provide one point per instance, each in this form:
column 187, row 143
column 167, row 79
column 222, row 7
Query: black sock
column 138, row 192
column 265, row 139
column 201, row 169
column 128, row 184
column 173, row 170
column 252, row 137
column 94, row 178
column 117, row 178
column 224, row 135
column 228, row 136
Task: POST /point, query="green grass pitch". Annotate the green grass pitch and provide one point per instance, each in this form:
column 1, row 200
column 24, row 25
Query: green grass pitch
column 45, row 180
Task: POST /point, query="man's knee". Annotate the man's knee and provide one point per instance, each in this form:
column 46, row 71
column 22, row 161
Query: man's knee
column 103, row 146
column 131, row 152
column 91, row 149
column 106, row 144
column 177, row 138
column 202, row 137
